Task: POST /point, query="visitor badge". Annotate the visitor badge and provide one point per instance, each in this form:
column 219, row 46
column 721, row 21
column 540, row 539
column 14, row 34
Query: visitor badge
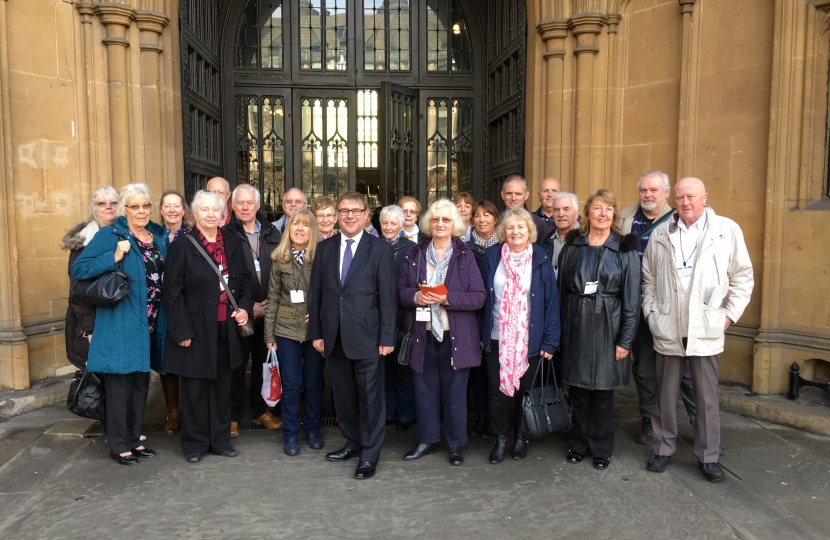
column 422, row 314
column 256, row 265
column 591, row 287
column 297, row 297
column 684, row 272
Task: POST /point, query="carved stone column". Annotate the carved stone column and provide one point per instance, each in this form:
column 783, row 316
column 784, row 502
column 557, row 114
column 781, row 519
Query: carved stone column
column 14, row 353
column 87, row 101
column 554, row 32
column 117, row 19
column 151, row 24
column 585, row 27
column 689, row 75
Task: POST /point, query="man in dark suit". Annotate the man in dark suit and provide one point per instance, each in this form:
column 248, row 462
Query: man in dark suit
column 351, row 320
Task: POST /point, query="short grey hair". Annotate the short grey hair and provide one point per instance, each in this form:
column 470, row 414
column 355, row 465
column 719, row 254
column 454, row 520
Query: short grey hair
column 132, row 193
column 458, row 229
column 97, row 194
column 245, row 187
column 298, row 190
column 205, row 194
column 666, row 182
column 515, row 178
column 394, row 211
column 563, row 194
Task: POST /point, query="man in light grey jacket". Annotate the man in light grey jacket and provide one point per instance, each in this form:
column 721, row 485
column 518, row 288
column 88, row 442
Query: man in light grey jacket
column 697, row 281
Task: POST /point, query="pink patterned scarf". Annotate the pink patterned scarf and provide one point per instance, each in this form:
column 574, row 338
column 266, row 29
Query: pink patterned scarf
column 514, row 318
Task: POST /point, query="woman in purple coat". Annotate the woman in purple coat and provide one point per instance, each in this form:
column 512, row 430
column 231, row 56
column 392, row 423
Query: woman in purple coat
column 445, row 332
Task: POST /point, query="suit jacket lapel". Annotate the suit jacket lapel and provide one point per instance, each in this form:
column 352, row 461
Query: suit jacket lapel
column 359, row 255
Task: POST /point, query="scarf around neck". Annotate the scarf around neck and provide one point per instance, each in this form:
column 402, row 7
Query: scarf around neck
column 514, row 319
column 401, row 234
column 413, row 234
column 483, row 244
column 299, row 255
column 438, row 277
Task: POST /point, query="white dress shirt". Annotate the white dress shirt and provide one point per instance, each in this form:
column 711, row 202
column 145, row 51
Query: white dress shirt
column 343, row 248
column 686, row 243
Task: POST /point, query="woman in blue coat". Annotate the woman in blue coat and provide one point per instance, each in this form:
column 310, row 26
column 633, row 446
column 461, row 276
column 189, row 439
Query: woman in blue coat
column 520, row 325
column 128, row 338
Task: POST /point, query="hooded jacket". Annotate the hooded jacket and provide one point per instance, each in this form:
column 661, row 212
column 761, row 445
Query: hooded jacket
column 80, row 318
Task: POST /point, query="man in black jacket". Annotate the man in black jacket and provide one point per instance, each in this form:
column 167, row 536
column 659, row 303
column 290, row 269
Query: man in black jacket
column 514, row 193
column 352, row 312
column 259, row 238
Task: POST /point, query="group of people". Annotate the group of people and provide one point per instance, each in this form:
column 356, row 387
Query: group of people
column 483, row 297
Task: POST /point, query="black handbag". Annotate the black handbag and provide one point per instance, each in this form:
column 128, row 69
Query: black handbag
column 87, row 397
column 405, row 348
column 544, row 408
column 105, row 290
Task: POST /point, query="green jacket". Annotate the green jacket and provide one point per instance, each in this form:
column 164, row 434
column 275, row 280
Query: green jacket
column 282, row 317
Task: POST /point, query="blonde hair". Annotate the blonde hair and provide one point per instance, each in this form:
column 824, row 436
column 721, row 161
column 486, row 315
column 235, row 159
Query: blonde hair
column 133, row 193
column 606, row 196
column 458, row 228
column 93, row 208
column 518, row 213
column 186, row 218
column 282, row 253
column 322, row 202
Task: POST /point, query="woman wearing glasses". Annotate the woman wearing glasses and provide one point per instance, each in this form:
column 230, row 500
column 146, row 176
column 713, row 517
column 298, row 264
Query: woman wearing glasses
column 129, row 338
column 324, row 212
column 80, row 318
column 445, row 341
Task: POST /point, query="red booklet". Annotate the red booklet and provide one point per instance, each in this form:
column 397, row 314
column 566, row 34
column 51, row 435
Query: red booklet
column 438, row 289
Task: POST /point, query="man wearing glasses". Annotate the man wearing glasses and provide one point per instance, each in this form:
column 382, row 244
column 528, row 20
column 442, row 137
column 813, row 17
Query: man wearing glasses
column 221, row 187
column 352, row 312
column 293, row 200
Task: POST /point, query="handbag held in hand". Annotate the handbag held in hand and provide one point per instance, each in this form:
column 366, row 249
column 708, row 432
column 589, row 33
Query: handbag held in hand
column 246, row 329
column 271, row 380
column 87, row 397
column 544, row 408
column 405, row 348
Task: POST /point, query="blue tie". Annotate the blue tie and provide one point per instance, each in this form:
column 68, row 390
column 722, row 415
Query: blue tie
column 347, row 262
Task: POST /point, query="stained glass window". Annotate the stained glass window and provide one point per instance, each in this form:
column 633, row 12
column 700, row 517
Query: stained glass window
column 367, row 129
column 324, row 149
column 260, row 145
column 449, row 144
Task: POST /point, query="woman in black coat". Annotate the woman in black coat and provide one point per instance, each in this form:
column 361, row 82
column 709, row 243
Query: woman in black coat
column 400, row 389
column 203, row 344
column 599, row 288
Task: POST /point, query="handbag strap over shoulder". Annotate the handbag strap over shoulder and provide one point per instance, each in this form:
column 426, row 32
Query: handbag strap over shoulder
column 218, row 273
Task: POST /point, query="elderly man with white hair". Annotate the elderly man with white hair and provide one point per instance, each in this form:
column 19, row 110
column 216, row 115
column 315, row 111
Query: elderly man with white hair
column 221, row 187
column 293, row 200
column 566, row 217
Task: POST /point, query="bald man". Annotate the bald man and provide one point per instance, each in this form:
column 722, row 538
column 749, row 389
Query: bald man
column 221, row 187
column 293, row 200
column 547, row 189
column 697, row 281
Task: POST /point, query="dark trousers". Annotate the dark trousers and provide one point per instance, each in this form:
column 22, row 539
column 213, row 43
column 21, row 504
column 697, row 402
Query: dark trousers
column 644, row 370
column 126, row 399
column 593, row 422
column 479, row 388
column 704, row 371
column 301, row 367
column 359, row 400
column 500, row 410
column 400, row 390
column 441, row 379
column 206, row 404
column 253, row 346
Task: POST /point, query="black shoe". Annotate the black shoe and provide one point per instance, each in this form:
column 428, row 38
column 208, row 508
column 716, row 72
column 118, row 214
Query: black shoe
column 602, row 463
column 403, row 426
column 143, row 452
column 479, row 427
column 193, row 458
column 291, row 446
column 658, row 463
column 497, row 454
column 711, row 471
column 125, row 460
column 230, row 452
column 365, row 470
column 314, row 441
column 574, row 457
column 420, row 451
column 645, row 435
column 456, row 456
column 519, row 448
column 343, row 454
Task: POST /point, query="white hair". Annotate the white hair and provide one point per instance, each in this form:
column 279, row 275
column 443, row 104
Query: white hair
column 245, row 187
column 97, row 194
column 205, row 194
column 666, row 182
column 298, row 190
column 132, row 193
column 458, row 229
column 563, row 194
column 394, row 211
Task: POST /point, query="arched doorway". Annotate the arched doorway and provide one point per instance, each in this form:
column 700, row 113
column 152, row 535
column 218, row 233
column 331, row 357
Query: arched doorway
column 386, row 97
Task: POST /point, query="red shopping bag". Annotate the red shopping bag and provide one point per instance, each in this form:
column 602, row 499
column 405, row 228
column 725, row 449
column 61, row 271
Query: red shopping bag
column 271, row 381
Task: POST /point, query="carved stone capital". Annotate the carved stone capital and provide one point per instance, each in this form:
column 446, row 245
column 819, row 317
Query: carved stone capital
column 151, row 24
column 687, row 6
column 585, row 27
column 553, row 29
column 613, row 21
column 117, row 18
column 87, row 11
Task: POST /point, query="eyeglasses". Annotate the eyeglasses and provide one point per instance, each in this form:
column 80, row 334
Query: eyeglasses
column 111, row 204
column 245, row 204
column 325, row 216
column 444, row 220
column 137, row 207
column 407, row 212
column 350, row 211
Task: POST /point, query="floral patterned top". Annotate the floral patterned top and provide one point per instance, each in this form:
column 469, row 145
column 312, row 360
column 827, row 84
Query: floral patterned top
column 154, row 269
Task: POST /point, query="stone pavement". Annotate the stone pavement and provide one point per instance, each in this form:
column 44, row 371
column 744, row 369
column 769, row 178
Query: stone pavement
column 56, row 484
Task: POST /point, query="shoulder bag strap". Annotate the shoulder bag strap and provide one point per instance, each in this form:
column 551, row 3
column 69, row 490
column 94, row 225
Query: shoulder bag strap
column 659, row 221
column 218, row 273
column 417, row 277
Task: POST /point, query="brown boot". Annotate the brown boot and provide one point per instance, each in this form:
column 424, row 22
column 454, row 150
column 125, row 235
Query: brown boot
column 269, row 421
column 170, row 387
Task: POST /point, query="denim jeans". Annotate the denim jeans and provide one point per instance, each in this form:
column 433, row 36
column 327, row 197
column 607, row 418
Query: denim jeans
column 301, row 366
